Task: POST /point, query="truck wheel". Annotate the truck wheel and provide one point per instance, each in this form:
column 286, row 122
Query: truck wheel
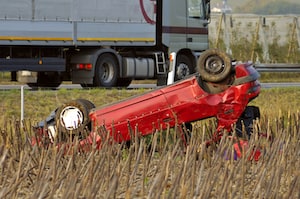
column 47, row 80
column 214, row 65
column 86, row 85
column 184, row 67
column 72, row 119
column 107, row 70
column 124, row 82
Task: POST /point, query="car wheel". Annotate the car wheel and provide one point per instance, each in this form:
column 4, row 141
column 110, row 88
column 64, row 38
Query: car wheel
column 214, row 65
column 72, row 119
column 245, row 121
column 107, row 69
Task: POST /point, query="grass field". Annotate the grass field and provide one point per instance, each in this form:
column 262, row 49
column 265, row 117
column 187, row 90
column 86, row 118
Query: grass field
column 161, row 168
column 38, row 104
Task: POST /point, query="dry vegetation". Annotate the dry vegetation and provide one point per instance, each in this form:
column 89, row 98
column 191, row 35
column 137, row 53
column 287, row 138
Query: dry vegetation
column 158, row 166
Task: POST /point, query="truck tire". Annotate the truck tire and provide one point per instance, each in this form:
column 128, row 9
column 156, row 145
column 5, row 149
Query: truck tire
column 72, row 119
column 107, row 71
column 214, row 65
column 124, row 82
column 86, row 85
column 46, row 80
column 184, row 67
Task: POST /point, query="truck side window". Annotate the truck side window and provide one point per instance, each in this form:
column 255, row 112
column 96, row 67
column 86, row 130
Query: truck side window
column 195, row 9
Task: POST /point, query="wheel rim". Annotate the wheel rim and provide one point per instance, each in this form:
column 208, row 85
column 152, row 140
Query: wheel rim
column 214, row 65
column 71, row 118
column 182, row 70
column 108, row 72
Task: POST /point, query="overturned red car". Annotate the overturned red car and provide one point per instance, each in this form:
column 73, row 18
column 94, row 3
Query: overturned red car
column 220, row 89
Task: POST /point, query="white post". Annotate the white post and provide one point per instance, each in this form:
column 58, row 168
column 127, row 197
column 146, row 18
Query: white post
column 22, row 104
column 171, row 74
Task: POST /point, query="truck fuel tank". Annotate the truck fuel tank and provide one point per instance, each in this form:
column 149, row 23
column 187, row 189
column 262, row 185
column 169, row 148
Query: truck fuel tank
column 138, row 67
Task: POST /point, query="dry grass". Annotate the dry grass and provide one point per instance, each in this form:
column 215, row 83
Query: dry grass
column 158, row 166
column 162, row 169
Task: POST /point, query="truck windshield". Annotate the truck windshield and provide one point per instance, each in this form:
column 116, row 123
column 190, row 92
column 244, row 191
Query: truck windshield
column 195, row 9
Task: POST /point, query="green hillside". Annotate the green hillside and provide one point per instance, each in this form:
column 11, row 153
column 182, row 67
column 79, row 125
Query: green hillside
column 265, row 7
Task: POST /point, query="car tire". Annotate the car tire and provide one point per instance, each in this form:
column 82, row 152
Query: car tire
column 245, row 121
column 72, row 119
column 214, row 65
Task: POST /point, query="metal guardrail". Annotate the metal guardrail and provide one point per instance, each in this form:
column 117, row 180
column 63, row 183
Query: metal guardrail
column 281, row 67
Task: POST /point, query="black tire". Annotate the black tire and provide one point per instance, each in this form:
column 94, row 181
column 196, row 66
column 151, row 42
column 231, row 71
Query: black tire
column 214, row 65
column 245, row 121
column 89, row 105
column 184, row 67
column 79, row 109
column 107, row 71
column 256, row 112
column 46, row 80
column 124, row 82
column 87, row 85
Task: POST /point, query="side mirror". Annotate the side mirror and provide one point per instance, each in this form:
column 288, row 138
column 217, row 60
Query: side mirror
column 207, row 10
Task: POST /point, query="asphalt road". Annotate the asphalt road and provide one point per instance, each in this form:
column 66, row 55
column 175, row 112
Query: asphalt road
column 150, row 86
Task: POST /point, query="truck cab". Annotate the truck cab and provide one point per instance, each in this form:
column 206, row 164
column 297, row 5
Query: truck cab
column 185, row 32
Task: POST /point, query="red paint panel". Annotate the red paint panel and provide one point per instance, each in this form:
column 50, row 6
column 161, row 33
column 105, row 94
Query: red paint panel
column 179, row 103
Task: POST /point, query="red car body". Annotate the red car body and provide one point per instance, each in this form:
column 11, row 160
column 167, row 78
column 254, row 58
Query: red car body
column 183, row 102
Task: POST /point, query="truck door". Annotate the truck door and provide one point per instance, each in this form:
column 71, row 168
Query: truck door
column 197, row 25
column 185, row 24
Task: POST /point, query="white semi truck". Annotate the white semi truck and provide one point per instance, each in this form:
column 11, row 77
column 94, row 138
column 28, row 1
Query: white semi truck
column 101, row 43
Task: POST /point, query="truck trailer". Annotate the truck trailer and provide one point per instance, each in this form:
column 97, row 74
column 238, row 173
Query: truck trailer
column 101, row 43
